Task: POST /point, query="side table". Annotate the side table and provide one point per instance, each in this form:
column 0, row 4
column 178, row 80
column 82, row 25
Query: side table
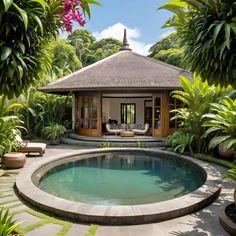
column 127, row 133
column 14, row 160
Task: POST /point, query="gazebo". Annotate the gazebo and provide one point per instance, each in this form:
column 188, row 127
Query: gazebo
column 125, row 87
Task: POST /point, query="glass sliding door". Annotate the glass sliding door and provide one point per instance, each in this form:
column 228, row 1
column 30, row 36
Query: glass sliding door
column 89, row 115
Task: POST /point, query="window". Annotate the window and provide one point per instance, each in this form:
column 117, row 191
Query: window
column 128, row 113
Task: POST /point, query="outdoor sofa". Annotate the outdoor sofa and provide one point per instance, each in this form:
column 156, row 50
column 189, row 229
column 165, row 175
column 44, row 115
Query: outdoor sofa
column 136, row 128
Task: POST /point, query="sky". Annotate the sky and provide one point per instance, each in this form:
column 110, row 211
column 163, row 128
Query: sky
column 140, row 17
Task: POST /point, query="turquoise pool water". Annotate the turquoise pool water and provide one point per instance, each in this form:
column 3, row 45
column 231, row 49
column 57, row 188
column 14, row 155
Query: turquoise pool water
column 122, row 179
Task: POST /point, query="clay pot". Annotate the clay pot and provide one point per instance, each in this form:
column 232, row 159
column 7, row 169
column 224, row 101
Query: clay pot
column 55, row 141
column 227, row 154
column 14, row 160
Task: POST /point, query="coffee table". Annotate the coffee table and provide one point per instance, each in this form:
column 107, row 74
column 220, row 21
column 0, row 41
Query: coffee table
column 126, row 133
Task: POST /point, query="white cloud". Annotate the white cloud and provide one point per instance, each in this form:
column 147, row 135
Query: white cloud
column 117, row 31
column 165, row 34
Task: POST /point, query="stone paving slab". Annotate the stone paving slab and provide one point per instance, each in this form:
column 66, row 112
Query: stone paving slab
column 26, row 219
column 10, row 204
column 46, row 230
column 79, row 230
column 4, row 199
column 18, row 208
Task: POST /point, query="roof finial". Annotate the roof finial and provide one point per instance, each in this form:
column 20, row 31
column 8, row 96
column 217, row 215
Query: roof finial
column 125, row 45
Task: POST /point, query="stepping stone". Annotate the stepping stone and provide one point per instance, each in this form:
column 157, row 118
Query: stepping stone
column 26, row 219
column 78, row 230
column 18, row 208
column 8, row 192
column 10, row 204
column 4, row 185
column 47, row 229
column 2, row 190
column 4, row 199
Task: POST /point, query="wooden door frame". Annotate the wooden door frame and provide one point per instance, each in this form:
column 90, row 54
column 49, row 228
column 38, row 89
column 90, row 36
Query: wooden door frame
column 89, row 132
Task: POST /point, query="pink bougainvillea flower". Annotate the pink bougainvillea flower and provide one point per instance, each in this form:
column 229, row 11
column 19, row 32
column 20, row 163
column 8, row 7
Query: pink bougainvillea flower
column 72, row 13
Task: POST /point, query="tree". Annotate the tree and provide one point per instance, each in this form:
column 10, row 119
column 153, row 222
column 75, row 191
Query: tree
column 89, row 50
column 25, row 29
column 207, row 30
column 168, row 50
column 166, row 43
column 64, row 58
column 82, row 40
column 107, row 46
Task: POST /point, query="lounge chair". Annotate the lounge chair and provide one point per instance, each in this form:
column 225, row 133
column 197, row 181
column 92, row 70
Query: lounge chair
column 29, row 147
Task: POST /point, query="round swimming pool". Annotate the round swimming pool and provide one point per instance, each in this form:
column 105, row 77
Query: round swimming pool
column 124, row 178
column 119, row 186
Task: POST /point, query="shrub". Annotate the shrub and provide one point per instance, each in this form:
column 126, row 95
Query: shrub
column 54, row 131
column 222, row 123
column 7, row 225
column 179, row 141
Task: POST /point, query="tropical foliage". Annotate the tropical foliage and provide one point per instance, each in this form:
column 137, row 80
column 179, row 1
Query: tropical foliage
column 168, row 50
column 10, row 125
column 231, row 174
column 65, row 59
column 40, row 109
column 81, row 40
column 180, row 141
column 197, row 97
column 7, row 225
column 25, row 29
column 207, row 31
column 54, row 131
column 221, row 122
column 88, row 49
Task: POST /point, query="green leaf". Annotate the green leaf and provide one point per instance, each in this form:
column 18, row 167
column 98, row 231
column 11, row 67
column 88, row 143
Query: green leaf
column 41, row 2
column 6, row 51
column 217, row 30
column 227, row 35
column 39, row 23
column 7, row 4
column 233, row 27
column 217, row 140
column 23, row 15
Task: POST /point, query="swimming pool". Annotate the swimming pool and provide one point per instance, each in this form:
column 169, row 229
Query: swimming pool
column 114, row 210
column 123, row 178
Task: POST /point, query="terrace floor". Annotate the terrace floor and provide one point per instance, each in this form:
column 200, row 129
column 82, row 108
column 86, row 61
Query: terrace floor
column 204, row 222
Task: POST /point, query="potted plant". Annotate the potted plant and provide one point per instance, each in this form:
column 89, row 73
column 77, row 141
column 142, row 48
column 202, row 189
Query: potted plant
column 54, row 132
column 228, row 214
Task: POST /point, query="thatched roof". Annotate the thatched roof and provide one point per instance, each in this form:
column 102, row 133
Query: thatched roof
column 124, row 70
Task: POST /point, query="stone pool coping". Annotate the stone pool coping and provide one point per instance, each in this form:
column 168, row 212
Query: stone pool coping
column 118, row 215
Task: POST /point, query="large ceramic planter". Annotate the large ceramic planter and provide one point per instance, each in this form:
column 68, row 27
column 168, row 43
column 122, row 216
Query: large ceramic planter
column 14, row 160
column 226, row 222
column 55, row 141
column 227, row 154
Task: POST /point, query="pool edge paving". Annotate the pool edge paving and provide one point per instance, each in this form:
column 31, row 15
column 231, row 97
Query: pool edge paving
column 118, row 215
